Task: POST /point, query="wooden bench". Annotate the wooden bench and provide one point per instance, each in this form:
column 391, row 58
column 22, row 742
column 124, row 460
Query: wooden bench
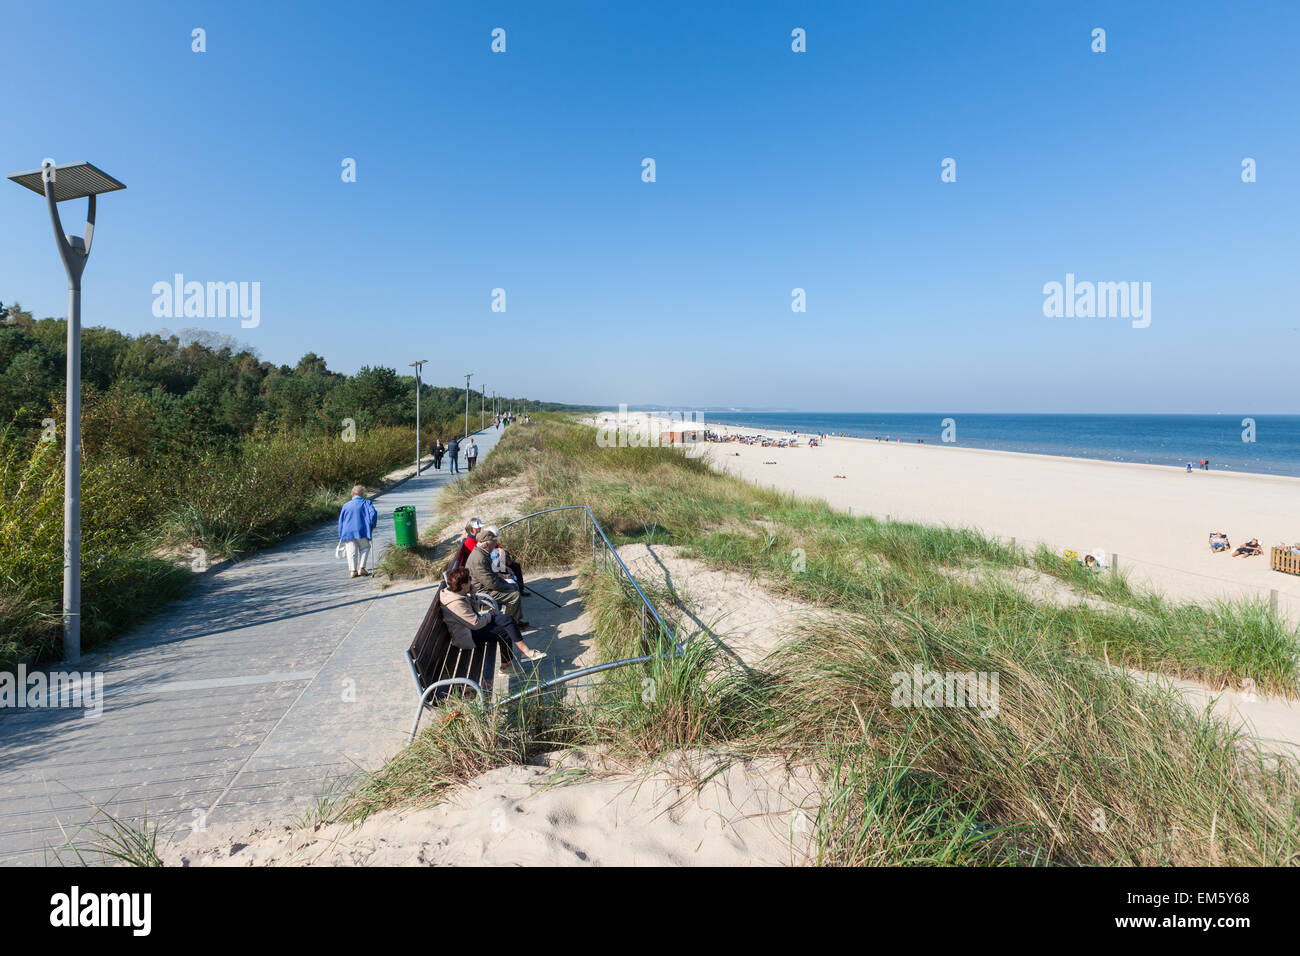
column 1283, row 560
column 441, row 669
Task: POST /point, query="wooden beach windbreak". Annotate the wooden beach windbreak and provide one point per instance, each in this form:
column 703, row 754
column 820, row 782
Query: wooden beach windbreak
column 1283, row 560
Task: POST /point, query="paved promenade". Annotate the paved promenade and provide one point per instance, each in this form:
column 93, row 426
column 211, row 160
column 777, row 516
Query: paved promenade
column 238, row 703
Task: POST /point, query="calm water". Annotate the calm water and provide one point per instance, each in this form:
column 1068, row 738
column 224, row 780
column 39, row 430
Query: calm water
column 1171, row 440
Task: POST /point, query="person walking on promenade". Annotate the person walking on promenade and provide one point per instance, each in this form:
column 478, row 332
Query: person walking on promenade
column 453, row 451
column 471, row 453
column 357, row 522
column 439, row 449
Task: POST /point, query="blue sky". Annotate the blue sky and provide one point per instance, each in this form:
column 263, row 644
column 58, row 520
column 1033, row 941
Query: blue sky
column 775, row 170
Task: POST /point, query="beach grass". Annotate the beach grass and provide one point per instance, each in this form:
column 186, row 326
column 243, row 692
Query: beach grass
column 145, row 521
column 1080, row 762
column 805, row 550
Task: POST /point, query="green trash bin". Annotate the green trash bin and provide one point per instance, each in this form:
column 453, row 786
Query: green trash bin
column 404, row 523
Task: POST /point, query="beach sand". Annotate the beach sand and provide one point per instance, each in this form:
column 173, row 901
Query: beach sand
column 1156, row 519
column 690, row 808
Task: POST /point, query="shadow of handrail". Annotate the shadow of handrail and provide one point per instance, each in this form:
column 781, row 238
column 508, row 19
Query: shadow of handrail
column 598, row 538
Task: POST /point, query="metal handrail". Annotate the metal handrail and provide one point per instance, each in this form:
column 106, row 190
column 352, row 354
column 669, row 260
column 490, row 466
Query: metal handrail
column 596, row 524
column 677, row 650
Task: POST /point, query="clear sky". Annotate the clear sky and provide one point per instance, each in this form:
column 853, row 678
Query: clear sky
column 775, row 170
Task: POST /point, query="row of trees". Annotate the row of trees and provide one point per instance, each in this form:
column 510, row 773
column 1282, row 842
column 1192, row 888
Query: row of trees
column 189, row 441
column 164, row 392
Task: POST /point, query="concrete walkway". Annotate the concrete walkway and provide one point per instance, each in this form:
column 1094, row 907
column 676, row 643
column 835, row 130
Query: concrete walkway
column 242, row 702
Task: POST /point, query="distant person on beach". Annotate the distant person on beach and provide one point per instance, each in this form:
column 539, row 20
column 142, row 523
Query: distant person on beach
column 357, row 522
column 1251, row 547
column 1219, row 542
column 471, row 453
column 1189, row 467
column 504, row 590
column 471, row 628
column 453, row 451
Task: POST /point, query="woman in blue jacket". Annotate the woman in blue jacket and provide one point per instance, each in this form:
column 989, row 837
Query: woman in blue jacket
column 357, row 523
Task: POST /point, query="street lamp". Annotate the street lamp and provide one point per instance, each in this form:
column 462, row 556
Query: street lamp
column 467, row 378
column 58, row 184
column 482, row 398
column 417, row 366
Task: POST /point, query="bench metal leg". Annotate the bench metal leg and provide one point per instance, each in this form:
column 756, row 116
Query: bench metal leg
column 424, row 698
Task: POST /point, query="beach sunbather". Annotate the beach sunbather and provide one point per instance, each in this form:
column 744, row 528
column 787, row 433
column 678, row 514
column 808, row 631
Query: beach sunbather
column 1251, row 547
column 1219, row 542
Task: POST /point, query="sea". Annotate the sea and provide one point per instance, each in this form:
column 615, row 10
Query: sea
column 1262, row 444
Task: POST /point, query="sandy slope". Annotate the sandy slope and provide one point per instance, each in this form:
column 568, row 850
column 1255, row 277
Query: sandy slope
column 689, row 810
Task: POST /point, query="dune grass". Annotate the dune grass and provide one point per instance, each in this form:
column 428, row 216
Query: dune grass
column 1077, row 763
column 806, row 550
column 143, row 518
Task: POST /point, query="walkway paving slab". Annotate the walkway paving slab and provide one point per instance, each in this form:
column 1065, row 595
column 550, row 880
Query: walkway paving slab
column 241, row 702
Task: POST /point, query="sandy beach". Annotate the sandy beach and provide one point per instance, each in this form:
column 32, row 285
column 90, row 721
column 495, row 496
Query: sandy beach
column 1156, row 519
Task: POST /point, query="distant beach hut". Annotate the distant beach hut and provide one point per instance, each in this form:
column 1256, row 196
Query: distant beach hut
column 682, row 434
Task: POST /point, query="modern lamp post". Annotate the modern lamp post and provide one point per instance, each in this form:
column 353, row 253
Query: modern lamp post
column 417, row 366
column 467, row 378
column 58, row 184
column 482, row 398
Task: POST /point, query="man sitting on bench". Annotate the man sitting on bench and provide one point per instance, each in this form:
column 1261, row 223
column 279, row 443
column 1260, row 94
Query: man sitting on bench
column 505, row 591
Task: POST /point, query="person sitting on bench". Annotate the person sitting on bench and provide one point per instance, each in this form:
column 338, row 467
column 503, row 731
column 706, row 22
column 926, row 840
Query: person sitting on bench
column 504, row 563
column 1251, row 547
column 505, row 591
column 470, row 543
column 470, row 628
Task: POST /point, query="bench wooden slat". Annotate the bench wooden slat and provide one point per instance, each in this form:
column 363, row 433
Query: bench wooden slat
column 434, row 657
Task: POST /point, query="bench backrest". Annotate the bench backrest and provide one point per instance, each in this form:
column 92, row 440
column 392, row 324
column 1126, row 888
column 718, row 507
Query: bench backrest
column 433, row 657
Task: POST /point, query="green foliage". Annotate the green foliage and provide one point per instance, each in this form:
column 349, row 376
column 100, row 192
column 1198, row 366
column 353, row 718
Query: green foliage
column 1067, row 760
column 188, row 441
column 202, row 388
